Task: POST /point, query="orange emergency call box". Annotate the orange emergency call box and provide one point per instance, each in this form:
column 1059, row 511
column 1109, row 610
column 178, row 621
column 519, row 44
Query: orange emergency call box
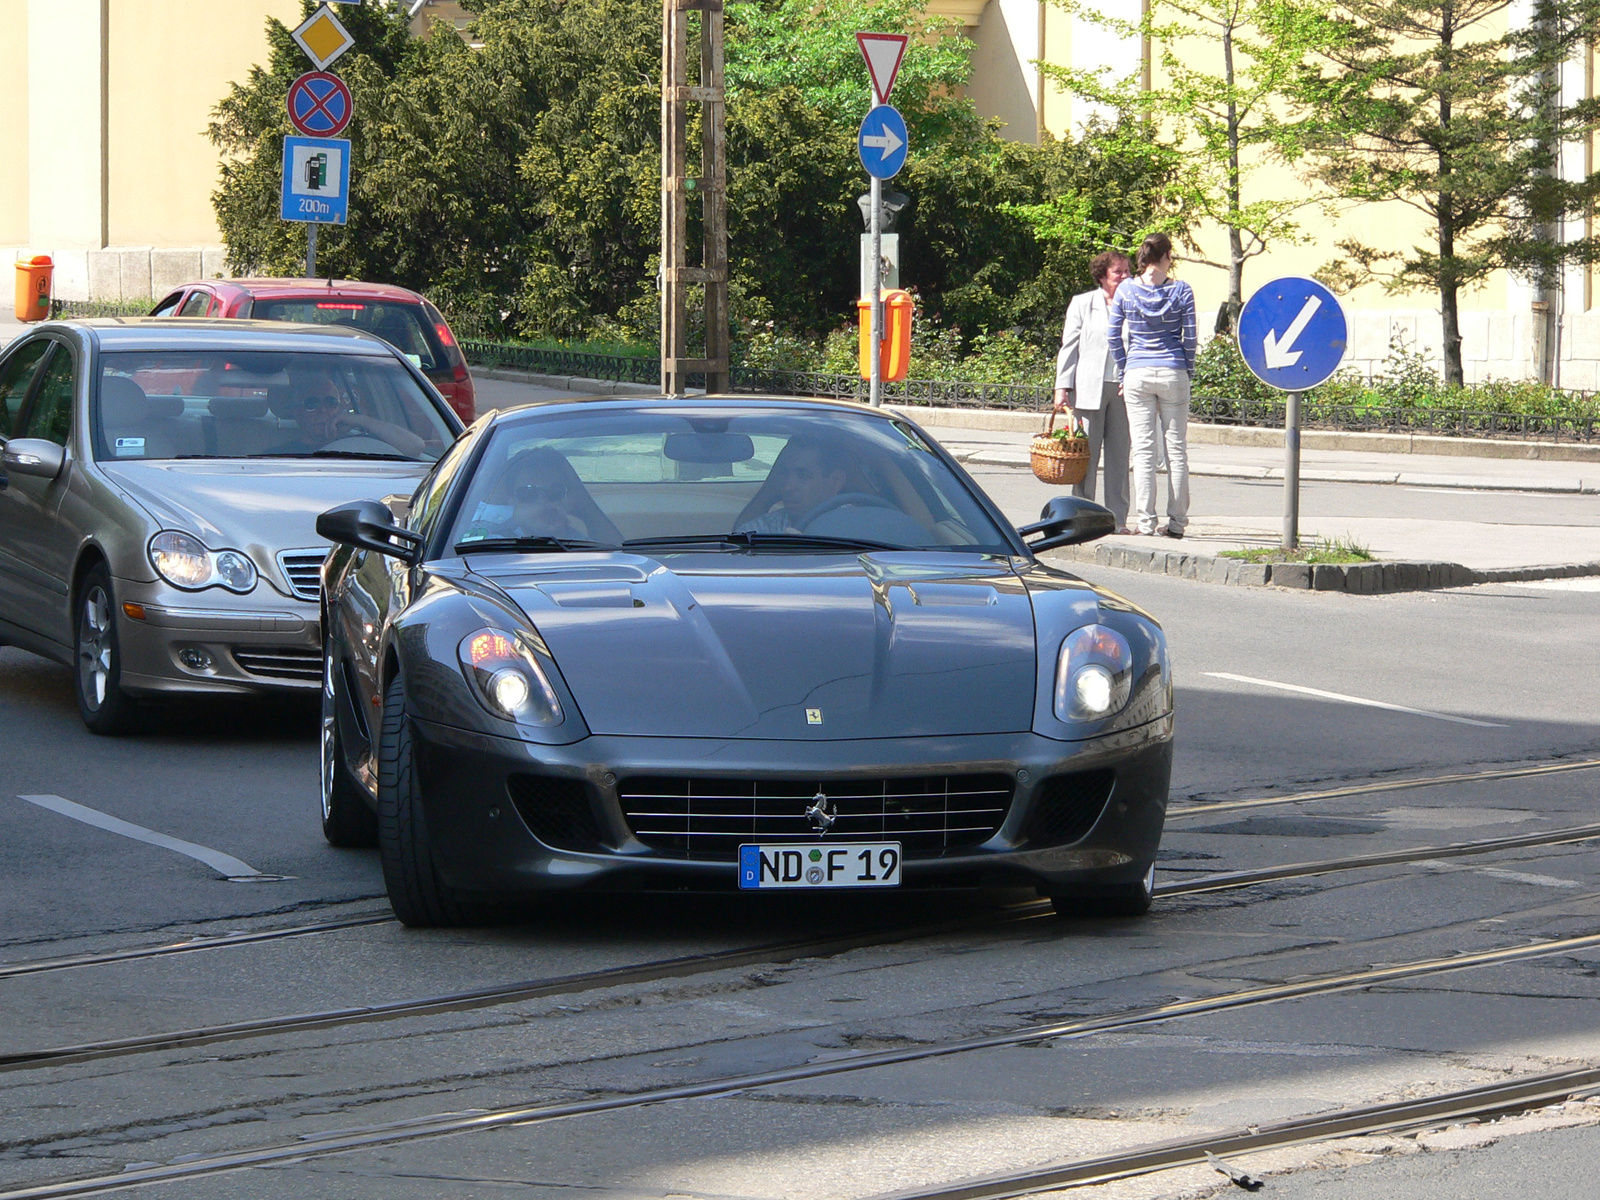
column 894, row 356
column 33, row 287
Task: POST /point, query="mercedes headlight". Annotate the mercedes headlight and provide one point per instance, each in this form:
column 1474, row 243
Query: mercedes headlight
column 1094, row 674
column 507, row 678
column 186, row 562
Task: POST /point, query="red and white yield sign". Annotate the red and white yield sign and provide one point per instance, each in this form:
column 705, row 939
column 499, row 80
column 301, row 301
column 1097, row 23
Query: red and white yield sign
column 883, row 52
column 320, row 104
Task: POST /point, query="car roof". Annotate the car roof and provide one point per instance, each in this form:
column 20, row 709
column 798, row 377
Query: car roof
column 755, row 401
column 285, row 289
column 217, row 333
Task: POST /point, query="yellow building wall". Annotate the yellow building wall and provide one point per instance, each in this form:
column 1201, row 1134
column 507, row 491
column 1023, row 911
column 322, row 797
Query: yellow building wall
column 14, row 129
column 170, row 63
column 1390, row 226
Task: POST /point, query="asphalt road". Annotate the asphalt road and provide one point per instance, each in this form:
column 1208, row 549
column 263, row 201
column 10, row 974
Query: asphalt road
column 1520, row 664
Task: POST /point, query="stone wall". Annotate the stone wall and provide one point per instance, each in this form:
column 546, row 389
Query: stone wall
column 130, row 272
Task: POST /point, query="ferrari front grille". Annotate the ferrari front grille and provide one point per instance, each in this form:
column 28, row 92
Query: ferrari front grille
column 1065, row 807
column 303, row 570
column 707, row 819
column 281, row 662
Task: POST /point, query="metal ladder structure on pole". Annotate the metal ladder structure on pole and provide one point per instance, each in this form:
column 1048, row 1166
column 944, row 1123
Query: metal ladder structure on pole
column 678, row 186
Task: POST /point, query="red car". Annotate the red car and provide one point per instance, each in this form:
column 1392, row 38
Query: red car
column 400, row 317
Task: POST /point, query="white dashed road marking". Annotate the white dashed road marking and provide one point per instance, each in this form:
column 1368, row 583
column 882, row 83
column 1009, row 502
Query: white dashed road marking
column 229, row 867
column 1320, row 694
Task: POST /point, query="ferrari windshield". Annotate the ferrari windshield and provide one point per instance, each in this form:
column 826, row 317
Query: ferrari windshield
column 262, row 404
column 718, row 479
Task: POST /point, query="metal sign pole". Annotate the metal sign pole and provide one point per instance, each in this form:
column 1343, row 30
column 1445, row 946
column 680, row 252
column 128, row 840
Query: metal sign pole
column 875, row 387
column 1291, row 473
column 311, row 250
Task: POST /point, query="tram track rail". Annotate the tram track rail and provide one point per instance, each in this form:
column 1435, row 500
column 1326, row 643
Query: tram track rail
column 1500, row 1098
column 311, row 1146
column 1190, row 811
column 16, row 970
column 23, row 968
column 226, row 941
column 771, row 953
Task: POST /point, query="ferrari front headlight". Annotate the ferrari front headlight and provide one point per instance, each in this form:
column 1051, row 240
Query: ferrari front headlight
column 507, row 678
column 186, row 562
column 1094, row 674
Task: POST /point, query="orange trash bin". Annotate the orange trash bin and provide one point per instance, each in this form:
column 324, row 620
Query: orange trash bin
column 34, row 276
column 894, row 356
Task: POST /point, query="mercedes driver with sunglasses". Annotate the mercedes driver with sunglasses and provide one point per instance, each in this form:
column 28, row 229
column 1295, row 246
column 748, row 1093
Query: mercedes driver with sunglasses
column 322, row 413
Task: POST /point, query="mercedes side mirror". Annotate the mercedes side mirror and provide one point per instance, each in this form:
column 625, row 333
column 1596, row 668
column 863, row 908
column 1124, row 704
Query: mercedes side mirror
column 32, row 456
column 369, row 525
column 1068, row 521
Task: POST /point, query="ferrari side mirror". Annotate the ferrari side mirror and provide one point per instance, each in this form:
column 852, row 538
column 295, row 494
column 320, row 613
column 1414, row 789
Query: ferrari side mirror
column 369, row 525
column 1068, row 521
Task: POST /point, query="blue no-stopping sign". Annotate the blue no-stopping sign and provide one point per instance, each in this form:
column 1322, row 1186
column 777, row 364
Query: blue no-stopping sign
column 316, row 180
column 882, row 142
column 1293, row 333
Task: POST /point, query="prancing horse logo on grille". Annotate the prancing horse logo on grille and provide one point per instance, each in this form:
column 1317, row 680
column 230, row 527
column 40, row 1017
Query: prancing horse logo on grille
column 820, row 814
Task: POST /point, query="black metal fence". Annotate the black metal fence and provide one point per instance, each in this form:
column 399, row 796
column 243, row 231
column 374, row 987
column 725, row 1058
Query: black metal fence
column 619, row 368
column 77, row 310
column 1441, row 422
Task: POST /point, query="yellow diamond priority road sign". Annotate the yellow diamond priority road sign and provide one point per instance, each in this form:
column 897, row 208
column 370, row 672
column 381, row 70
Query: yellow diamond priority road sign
column 323, row 38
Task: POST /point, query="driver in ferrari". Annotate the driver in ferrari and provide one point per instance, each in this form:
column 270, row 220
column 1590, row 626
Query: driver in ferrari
column 810, row 473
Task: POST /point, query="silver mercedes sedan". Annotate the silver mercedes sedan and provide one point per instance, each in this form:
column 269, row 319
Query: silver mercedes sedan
column 160, row 482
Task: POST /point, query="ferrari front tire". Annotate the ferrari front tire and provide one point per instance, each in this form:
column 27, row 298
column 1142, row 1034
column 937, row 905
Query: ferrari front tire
column 347, row 819
column 416, row 894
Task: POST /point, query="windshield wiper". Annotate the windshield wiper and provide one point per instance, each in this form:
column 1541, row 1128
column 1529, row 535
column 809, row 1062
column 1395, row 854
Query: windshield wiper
column 396, row 457
column 756, row 541
column 810, row 541
column 500, row 545
column 691, row 539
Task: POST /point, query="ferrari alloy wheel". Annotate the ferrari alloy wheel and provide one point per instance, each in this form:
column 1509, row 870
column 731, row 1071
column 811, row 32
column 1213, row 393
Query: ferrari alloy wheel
column 416, row 893
column 1123, row 900
column 104, row 706
column 347, row 819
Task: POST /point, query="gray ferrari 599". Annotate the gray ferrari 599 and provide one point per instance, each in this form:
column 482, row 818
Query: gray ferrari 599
column 731, row 643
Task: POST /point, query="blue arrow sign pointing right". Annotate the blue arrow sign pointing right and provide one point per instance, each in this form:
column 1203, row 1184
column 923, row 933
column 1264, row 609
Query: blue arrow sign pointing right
column 882, row 142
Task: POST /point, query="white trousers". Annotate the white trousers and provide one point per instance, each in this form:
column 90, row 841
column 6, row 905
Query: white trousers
column 1158, row 411
column 1107, row 427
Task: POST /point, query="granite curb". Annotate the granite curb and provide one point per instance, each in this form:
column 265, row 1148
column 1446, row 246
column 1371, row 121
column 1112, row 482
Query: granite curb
column 1368, row 579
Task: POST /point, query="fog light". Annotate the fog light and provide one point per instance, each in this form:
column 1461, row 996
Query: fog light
column 196, row 659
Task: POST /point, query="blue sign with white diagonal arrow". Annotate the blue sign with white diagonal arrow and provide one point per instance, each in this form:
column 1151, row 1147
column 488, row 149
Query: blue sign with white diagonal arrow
column 882, row 142
column 1293, row 333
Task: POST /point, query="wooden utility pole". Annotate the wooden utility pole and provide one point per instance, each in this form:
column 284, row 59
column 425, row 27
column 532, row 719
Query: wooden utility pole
column 679, row 185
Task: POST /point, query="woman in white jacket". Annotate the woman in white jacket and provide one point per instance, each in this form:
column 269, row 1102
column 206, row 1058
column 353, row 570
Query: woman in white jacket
column 1088, row 384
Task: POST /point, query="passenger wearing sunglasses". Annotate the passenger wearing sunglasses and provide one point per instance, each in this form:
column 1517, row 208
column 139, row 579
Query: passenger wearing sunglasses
column 536, row 500
column 322, row 416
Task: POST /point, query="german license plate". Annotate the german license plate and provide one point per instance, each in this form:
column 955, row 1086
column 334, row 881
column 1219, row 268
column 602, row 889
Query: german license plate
column 834, row 864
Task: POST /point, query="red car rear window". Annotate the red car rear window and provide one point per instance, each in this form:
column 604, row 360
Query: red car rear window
column 404, row 326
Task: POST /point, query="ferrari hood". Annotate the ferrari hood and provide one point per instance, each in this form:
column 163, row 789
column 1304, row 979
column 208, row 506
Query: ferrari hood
column 795, row 647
